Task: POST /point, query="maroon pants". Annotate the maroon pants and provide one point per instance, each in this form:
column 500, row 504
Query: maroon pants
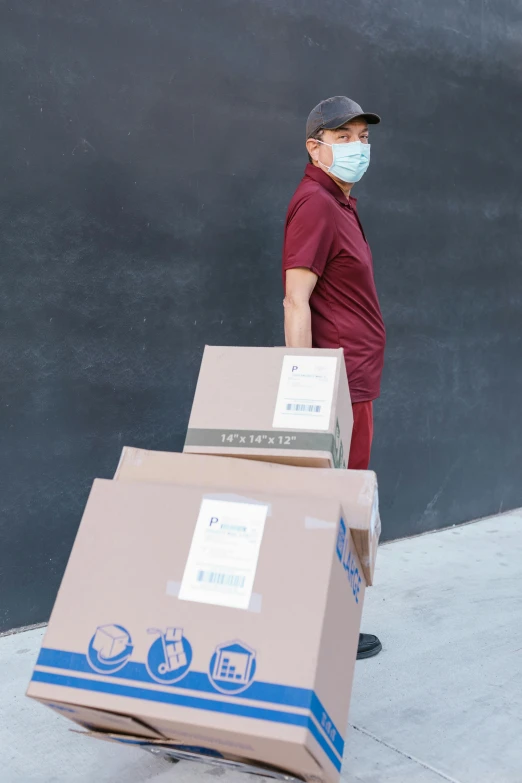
column 362, row 436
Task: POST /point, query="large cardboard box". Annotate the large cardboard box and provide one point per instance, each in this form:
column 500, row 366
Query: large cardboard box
column 356, row 490
column 289, row 405
column 221, row 624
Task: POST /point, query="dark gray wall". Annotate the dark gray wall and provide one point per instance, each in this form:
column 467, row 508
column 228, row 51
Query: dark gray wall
column 148, row 150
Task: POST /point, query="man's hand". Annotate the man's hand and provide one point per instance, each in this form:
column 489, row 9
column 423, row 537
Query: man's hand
column 298, row 319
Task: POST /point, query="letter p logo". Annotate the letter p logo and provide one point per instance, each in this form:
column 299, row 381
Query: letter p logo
column 295, row 367
column 213, row 521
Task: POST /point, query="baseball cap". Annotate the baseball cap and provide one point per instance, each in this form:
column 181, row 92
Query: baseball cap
column 334, row 112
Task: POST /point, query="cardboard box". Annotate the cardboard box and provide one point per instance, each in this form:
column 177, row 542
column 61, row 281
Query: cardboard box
column 264, row 593
column 356, row 490
column 289, row 405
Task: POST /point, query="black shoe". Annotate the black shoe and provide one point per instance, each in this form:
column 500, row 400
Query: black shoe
column 369, row 645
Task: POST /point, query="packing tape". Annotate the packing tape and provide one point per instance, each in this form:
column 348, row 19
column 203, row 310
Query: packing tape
column 319, row 524
column 255, row 605
column 366, row 494
column 233, row 498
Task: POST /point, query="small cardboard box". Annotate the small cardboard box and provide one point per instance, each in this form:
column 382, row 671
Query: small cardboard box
column 217, row 623
column 289, row 405
column 356, row 490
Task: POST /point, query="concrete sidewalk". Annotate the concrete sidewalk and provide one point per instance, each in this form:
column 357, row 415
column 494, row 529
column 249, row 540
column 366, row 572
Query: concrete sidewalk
column 443, row 701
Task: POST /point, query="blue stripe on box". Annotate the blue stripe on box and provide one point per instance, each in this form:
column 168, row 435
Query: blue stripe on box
column 283, row 695
column 181, row 700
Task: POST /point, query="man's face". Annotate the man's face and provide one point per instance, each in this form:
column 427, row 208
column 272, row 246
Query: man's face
column 355, row 130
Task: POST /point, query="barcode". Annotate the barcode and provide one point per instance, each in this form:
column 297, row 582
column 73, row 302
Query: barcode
column 301, row 408
column 227, row 580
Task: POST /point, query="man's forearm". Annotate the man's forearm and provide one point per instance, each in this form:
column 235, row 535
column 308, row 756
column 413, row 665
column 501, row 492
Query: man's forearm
column 298, row 325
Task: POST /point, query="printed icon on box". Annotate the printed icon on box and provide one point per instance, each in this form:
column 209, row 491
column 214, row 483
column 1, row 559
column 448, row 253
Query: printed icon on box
column 341, row 539
column 170, row 655
column 109, row 649
column 232, row 667
column 347, row 560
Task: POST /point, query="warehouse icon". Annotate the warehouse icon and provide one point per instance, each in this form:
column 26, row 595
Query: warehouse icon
column 233, row 666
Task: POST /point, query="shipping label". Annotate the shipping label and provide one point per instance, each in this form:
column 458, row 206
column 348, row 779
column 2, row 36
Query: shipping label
column 223, row 556
column 306, row 388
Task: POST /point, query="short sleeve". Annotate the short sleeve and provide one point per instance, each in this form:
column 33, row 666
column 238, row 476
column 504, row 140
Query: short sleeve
column 310, row 236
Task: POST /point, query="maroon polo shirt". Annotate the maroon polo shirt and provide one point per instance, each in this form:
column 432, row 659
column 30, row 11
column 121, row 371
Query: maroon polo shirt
column 323, row 233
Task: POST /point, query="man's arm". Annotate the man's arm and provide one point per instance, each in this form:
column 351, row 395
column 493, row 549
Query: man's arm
column 300, row 283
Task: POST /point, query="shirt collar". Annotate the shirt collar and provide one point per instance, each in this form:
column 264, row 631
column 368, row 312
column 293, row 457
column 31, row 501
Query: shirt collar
column 322, row 178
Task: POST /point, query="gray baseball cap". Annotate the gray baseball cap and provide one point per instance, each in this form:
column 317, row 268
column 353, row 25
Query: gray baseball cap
column 334, row 112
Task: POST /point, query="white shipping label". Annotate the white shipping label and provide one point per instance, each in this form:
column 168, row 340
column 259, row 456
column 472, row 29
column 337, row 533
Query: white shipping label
column 304, row 399
column 222, row 561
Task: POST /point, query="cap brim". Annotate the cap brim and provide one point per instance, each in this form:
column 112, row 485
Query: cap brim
column 371, row 119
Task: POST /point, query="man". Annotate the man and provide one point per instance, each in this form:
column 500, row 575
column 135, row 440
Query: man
column 330, row 297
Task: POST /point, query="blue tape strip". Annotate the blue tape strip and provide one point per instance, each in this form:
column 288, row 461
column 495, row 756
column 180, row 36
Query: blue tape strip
column 288, row 696
column 243, row 710
column 327, row 725
column 193, row 681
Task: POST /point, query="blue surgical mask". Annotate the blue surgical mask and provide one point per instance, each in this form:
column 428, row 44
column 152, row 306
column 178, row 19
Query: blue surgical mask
column 350, row 160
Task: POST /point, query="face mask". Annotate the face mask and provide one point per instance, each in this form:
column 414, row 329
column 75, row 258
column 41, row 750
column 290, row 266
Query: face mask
column 350, row 160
